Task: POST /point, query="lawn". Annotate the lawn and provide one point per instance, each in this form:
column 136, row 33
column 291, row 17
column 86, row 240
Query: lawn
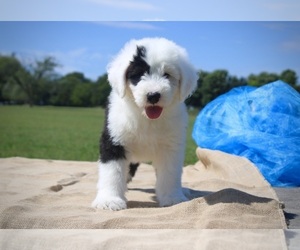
column 59, row 133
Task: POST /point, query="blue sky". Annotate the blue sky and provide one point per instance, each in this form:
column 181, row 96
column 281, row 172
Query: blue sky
column 139, row 10
column 241, row 48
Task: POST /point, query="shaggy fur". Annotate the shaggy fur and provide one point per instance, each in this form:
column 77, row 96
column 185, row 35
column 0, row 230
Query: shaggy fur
column 146, row 120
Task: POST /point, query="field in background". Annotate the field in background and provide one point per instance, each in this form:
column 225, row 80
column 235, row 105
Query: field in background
column 59, row 133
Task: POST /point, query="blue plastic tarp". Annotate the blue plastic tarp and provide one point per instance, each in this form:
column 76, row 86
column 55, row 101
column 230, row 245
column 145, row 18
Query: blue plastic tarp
column 261, row 124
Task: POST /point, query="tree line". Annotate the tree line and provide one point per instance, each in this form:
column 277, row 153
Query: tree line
column 38, row 83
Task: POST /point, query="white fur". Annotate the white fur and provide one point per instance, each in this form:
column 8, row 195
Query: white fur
column 161, row 140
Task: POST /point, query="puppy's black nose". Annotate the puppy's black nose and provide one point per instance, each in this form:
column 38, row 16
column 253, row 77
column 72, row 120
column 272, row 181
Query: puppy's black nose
column 153, row 97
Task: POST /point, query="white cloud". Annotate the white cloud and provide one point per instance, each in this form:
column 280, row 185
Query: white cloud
column 276, row 6
column 131, row 25
column 81, row 60
column 126, row 4
column 154, row 20
column 277, row 26
column 283, row 10
column 77, row 52
column 292, row 45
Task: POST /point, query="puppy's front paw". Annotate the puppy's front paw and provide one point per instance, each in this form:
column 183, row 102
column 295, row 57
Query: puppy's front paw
column 169, row 200
column 109, row 202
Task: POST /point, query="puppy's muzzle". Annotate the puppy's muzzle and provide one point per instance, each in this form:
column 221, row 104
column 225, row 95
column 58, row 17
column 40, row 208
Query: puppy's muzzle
column 153, row 98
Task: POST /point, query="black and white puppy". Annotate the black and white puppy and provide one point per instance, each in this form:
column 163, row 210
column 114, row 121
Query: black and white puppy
column 146, row 120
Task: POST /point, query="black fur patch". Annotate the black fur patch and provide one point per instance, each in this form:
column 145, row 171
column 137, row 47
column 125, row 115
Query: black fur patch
column 138, row 67
column 133, row 168
column 109, row 150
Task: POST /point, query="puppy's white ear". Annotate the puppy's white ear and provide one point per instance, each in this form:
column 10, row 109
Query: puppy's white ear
column 116, row 71
column 188, row 79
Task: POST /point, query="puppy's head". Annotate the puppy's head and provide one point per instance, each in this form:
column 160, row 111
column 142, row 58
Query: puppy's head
column 155, row 72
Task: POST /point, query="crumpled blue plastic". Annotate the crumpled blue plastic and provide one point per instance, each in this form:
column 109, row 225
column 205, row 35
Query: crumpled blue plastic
column 261, row 124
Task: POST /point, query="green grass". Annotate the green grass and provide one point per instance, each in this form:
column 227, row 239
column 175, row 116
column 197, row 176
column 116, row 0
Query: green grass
column 58, row 133
column 190, row 151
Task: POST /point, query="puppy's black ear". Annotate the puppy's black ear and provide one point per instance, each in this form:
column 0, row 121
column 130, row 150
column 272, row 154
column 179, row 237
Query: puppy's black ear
column 188, row 79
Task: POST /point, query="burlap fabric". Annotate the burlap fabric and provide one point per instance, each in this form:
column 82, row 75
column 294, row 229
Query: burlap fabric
column 226, row 191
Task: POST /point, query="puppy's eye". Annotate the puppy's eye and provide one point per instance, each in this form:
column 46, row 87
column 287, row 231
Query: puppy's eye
column 166, row 75
column 134, row 73
column 135, row 78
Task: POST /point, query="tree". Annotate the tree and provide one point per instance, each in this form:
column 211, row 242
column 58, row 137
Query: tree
column 195, row 99
column 289, row 76
column 73, row 89
column 262, row 79
column 38, row 84
column 9, row 66
column 13, row 94
column 81, row 95
column 32, row 78
column 213, row 85
column 76, row 77
column 100, row 91
column 61, row 92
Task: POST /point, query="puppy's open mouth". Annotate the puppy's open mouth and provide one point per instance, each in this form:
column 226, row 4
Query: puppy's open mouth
column 153, row 112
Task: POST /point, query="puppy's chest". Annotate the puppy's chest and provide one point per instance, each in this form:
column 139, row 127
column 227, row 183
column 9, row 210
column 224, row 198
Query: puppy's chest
column 145, row 136
column 144, row 145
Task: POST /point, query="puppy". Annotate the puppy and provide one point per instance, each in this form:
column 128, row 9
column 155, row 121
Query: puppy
column 146, row 120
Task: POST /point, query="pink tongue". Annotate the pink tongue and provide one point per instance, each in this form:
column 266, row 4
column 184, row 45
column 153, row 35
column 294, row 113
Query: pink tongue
column 153, row 112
